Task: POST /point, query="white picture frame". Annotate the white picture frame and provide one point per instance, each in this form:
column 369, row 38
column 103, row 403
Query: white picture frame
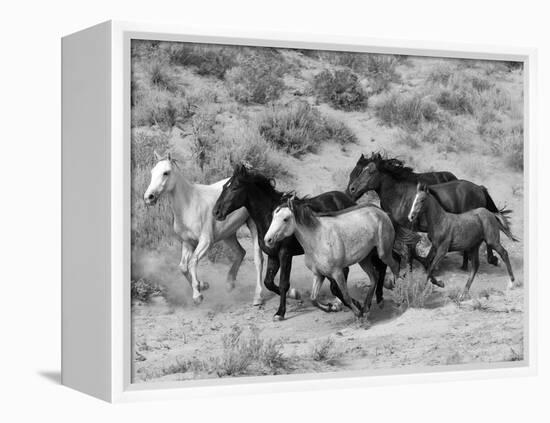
column 96, row 335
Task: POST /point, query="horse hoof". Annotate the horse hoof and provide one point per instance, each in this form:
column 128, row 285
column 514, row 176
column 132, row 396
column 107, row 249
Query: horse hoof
column 204, row 285
column 493, row 261
column 381, row 304
column 439, row 283
column 230, row 287
column 335, row 307
column 258, row 301
column 198, row 299
column 278, row 318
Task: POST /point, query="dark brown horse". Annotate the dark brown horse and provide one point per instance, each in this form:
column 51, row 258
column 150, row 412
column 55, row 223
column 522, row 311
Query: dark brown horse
column 258, row 195
column 395, row 185
column 428, row 178
column 459, row 232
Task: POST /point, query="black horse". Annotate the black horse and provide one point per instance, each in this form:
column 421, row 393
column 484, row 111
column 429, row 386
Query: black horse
column 257, row 193
column 428, row 178
column 396, row 183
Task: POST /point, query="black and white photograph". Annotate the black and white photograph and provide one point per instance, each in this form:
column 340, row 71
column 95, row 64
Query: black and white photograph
column 313, row 212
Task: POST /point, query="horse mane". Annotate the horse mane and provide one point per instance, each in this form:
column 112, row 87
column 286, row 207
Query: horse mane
column 256, row 178
column 393, row 166
column 303, row 213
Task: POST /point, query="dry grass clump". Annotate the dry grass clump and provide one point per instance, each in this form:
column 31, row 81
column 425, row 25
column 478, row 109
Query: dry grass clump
column 412, row 292
column 161, row 109
column 217, row 148
column 159, row 75
column 341, row 89
column 255, row 80
column 407, row 110
column 323, row 350
column 245, row 351
column 298, row 128
column 206, row 59
column 143, row 290
column 379, row 69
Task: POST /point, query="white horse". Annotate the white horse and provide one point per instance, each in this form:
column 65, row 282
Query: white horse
column 335, row 240
column 196, row 227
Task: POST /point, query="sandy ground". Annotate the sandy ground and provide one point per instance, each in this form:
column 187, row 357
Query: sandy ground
column 442, row 333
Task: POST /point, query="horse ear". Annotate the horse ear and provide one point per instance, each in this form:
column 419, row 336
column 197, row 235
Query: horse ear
column 419, row 186
column 362, row 157
column 424, row 187
column 157, row 156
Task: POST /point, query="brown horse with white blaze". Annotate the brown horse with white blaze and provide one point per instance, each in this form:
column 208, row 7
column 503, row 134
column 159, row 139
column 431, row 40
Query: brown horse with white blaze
column 460, row 232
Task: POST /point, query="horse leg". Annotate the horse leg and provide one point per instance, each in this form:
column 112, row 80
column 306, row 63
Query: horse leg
column 284, row 283
column 464, row 261
column 504, row 255
column 315, row 289
column 491, row 258
column 380, row 267
column 258, row 262
column 368, row 267
column 200, row 250
column 273, row 265
column 340, row 279
column 384, row 250
column 412, row 252
column 238, row 253
column 339, row 301
column 440, row 252
column 186, row 253
column 473, row 254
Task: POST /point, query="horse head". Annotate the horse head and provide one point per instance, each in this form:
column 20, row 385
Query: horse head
column 162, row 178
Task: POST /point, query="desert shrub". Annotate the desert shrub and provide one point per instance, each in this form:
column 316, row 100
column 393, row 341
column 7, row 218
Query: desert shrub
column 456, row 100
column 239, row 352
column 159, row 76
column 216, row 149
column 441, row 74
column 271, row 355
column 143, row 290
column 339, row 132
column 380, row 69
column 255, row 81
column 413, row 292
column 407, row 109
column 323, row 350
column 341, row 89
column 209, row 60
column 160, row 108
column 511, row 66
column 298, row 128
column 243, row 351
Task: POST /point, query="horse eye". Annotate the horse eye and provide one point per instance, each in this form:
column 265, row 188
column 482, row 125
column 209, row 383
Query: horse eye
column 166, row 173
column 285, row 219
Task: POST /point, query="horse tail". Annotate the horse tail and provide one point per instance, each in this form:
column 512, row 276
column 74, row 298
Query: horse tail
column 490, row 204
column 504, row 223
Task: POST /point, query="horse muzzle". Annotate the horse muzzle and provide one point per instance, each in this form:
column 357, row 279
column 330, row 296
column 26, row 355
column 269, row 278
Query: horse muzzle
column 150, row 199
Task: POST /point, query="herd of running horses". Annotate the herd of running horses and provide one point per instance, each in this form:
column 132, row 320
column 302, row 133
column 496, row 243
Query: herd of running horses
column 331, row 229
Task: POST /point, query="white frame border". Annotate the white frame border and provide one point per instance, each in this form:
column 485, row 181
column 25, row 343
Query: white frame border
column 121, row 388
